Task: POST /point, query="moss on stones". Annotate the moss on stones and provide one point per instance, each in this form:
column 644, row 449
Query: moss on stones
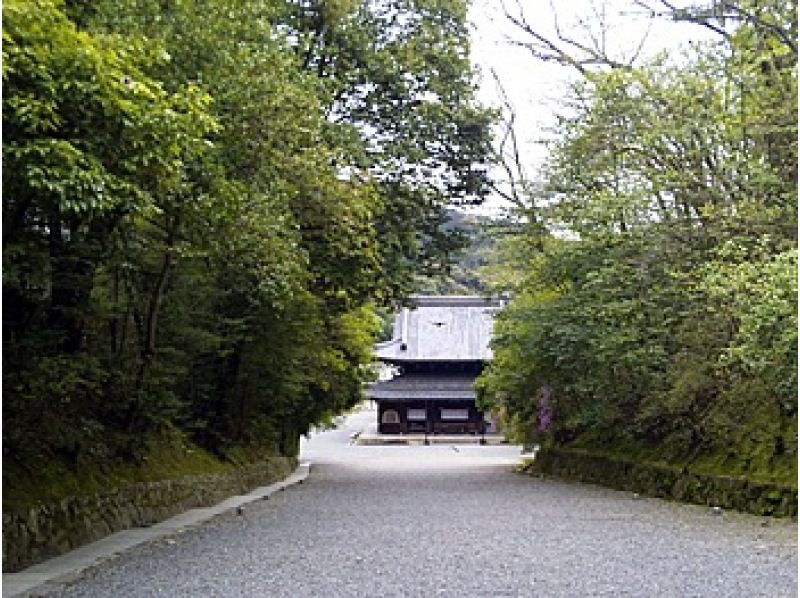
column 677, row 482
column 60, row 510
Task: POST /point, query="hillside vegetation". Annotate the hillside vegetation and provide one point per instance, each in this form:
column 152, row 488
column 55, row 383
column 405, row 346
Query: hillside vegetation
column 464, row 274
column 661, row 321
column 203, row 203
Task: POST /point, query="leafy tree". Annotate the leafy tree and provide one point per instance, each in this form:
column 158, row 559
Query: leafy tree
column 91, row 144
column 205, row 203
column 666, row 319
column 398, row 75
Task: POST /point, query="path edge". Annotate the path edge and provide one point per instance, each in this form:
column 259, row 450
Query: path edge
column 49, row 574
column 756, row 497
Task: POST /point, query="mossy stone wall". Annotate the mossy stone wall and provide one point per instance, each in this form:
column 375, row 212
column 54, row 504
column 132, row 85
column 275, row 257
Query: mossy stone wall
column 666, row 481
column 47, row 530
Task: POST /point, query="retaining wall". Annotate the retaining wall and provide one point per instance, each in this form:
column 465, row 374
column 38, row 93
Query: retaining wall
column 665, row 481
column 44, row 531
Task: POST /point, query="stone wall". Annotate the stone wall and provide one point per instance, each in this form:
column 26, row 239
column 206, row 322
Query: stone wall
column 664, row 481
column 44, row 531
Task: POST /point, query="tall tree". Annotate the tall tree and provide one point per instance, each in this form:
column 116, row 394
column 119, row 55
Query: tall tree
column 398, row 74
column 205, row 201
column 666, row 317
column 92, row 144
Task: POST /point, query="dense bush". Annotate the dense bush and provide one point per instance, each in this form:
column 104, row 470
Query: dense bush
column 663, row 317
column 203, row 203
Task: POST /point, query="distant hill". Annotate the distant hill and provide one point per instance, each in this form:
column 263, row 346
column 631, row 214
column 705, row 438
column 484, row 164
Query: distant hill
column 463, row 278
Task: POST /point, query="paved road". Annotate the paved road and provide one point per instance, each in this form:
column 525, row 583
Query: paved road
column 448, row 521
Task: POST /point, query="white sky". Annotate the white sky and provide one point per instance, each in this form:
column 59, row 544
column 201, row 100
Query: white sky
column 535, row 87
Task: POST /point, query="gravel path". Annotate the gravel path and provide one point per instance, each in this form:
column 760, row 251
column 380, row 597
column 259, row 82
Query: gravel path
column 453, row 521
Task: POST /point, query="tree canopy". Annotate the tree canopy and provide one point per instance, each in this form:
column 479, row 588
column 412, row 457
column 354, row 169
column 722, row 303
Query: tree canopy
column 656, row 283
column 205, row 201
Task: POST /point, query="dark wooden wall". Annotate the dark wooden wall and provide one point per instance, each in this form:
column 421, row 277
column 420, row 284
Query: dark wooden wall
column 435, row 425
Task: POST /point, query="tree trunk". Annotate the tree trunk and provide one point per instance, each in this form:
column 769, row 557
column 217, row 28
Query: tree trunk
column 159, row 289
column 71, row 282
column 148, row 345
column 157, row 297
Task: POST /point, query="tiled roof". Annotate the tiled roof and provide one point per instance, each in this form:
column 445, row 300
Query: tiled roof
column 454, row 387
column 442, row 328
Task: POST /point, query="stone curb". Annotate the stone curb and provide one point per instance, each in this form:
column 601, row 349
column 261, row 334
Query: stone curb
column 367, row 439
column 48, row 575
column 666, row 481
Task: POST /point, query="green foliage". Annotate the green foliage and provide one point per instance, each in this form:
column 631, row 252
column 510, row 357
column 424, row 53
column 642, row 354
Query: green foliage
column 666, row 319
column 204, row 204
column 463, row 275
column 400, row 89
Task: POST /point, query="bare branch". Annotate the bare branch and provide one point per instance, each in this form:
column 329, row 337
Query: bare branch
column 724, row 11
column 593, row 55
column 510, row 138
column 676, row 15
column 563, row 48
column 637, row 52
column 541, row 48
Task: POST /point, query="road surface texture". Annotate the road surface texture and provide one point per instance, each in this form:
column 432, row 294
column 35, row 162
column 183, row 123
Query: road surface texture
column 446, row 521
